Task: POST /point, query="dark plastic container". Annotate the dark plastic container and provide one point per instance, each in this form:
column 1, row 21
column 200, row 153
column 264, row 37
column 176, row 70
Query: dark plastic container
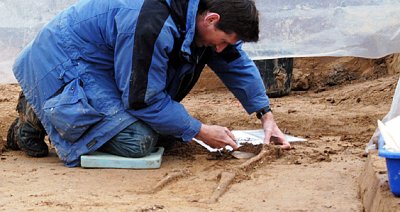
column 393, row 167
column 277, row 75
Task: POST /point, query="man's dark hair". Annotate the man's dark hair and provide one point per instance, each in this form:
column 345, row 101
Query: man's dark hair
column 237, row 16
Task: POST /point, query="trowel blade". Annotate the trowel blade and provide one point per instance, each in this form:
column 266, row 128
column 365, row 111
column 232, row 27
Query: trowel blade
column 242, row 155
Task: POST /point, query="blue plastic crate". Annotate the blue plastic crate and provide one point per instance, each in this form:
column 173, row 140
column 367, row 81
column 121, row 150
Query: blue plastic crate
column 393, row 167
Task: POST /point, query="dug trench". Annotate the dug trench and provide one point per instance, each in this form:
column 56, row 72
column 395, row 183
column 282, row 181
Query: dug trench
column 334, row 104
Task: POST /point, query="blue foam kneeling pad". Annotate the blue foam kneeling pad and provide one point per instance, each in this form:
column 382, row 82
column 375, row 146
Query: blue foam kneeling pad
column 106, row 160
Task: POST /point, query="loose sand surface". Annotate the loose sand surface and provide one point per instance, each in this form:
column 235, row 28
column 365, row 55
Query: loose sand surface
column 335, row 105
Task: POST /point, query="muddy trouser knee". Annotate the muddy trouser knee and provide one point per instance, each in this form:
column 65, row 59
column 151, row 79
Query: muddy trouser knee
column 137, row 140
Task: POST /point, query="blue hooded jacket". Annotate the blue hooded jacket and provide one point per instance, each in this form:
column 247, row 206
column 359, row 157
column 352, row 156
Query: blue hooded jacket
column 101, row 65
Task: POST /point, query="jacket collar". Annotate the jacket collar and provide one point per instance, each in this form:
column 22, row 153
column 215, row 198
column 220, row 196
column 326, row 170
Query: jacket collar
column 190, row 26
column 180, row 9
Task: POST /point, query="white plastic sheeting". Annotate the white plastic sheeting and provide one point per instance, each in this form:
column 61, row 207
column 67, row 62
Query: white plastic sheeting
column 20, row 20
column 291, row 28
column 303, row 28
column 394, row 113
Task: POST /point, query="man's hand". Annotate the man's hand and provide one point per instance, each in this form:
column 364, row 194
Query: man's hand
column 216, row 136
column 272, row 132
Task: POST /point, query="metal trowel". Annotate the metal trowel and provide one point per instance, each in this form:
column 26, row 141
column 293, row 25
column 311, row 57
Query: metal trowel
column 242, row 155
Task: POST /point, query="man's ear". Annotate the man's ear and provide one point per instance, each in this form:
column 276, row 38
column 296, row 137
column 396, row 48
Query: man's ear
column 211, row 18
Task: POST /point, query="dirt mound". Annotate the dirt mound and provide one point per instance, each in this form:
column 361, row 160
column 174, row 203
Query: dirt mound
column 326, row 72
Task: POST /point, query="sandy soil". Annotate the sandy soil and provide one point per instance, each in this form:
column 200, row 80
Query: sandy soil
column 335, row 106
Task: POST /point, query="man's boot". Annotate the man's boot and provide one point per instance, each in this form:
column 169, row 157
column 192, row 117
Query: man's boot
column 31, row 140
column 12, row 135
column 27, row 132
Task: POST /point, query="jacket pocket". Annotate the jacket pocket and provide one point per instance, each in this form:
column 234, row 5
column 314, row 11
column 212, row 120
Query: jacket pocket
column 70, row 112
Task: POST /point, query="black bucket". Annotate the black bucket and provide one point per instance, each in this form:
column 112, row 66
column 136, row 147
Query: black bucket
column 277, row 75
